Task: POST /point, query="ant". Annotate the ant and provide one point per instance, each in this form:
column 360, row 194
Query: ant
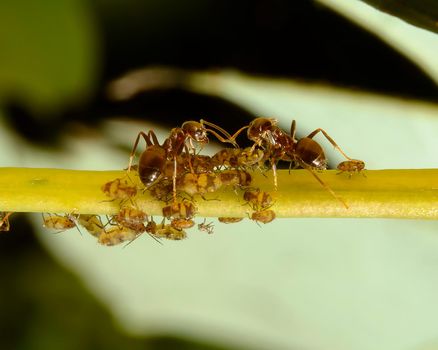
column 279, row 145
column 153, row 160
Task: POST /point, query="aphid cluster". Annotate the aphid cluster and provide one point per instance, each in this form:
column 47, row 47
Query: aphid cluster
column 175, row 173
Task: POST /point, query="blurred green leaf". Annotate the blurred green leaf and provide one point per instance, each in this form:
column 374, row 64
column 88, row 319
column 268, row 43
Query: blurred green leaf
column 420, row 13
column 48, row 52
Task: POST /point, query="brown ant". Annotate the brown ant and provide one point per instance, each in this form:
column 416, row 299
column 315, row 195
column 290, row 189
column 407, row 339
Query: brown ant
column 279, row 145
column 154, row 159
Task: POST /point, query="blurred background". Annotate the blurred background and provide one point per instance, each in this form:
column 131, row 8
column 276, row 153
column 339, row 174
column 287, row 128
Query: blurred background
column 79, row 79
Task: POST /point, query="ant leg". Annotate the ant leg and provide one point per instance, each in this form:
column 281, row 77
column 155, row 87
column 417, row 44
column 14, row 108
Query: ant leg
column 174, row 179
column 187, row 149
column 293, row 128
column 228, row 138
column 323, row 184
column 147, row 137
column 274, row 171
column 335, row 145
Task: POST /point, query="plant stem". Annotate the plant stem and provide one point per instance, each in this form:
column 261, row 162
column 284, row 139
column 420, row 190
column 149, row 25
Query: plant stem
column 408, row 194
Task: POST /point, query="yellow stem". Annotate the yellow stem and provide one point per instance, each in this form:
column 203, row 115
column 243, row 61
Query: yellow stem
column 409, row 194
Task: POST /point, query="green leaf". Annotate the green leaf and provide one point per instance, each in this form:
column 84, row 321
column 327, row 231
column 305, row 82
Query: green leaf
column 48, row 52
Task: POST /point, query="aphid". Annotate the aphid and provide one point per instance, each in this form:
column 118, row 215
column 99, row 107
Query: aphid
column 257, row 199
column 199, row 184
column 229, row 220
column 169, row 232
column 263, row 216
column 116, row 235
column 239, row 158
column 209, row 228
column 92, row 223
column 278, row 145
column 4, row 221
column 162, row 191
column 59, row 222
column 235, row 177
column 165, row 231
column 153, row 160
column 181, row 224
column 196, row 163
column 179, row 210
column 131, row 218
column 119, row 188
column 351, row 166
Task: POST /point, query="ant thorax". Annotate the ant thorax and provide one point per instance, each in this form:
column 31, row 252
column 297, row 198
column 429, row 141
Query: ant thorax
column 174, row 144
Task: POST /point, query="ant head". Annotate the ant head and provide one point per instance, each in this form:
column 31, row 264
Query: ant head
column 259, row 127
column 196, row 131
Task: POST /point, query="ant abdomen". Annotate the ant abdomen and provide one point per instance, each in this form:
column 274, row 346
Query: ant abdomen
column 310, row 153
column 151, row 164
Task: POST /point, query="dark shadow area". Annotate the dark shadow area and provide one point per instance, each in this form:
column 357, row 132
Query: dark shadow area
column 285, row 39
column 289, row 39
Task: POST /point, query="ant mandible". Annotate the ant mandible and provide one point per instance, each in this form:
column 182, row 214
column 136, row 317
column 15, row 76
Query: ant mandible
column 279, row 145
column 153, row 160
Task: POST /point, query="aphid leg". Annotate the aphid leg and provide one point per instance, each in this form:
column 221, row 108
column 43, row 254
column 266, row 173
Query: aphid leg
column 335, row 145
column 323, row 184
